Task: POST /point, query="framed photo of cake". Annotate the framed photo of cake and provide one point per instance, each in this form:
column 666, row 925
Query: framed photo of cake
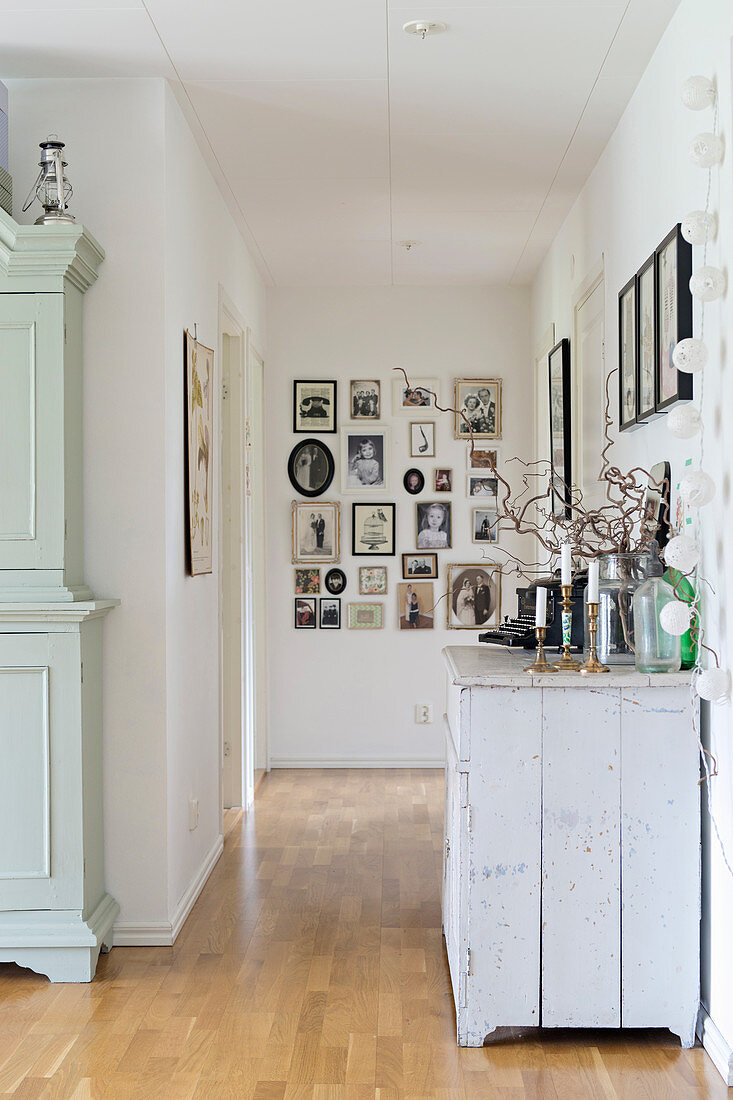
column 478, row 401
column 419, row 565
column 373, row 529
column 474, row 596
column 416, row 605
column 419, row 396
column 316, row 532
column 364, row 458
column 366, row 616
column 365, row 400
column 314, row 406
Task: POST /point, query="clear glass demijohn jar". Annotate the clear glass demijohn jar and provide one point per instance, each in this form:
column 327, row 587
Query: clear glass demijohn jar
column 656, row 649
column 619, row 577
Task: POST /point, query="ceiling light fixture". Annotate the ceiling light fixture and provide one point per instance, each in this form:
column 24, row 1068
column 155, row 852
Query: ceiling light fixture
column 422, row 28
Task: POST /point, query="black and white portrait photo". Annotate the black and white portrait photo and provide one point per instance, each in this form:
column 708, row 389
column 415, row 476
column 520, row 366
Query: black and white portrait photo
column 364, row 458
column 365, row 400
column 330, row 611
column 314, row 406
column 315, row 532
column 485, row 525
column 474, row 596
column 335, row 581
column 433, row 525
column 419, row 565
column 478, row 404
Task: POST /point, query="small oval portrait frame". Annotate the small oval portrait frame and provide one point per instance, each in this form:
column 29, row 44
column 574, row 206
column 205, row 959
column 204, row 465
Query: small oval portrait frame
column 339, row 577
column 413, row 481
column 311, row 467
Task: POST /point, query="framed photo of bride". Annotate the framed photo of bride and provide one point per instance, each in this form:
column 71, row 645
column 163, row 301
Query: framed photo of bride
column 474, row 596
column 316, row 532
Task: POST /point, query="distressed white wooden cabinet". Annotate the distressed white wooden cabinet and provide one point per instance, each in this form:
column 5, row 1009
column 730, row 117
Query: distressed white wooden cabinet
column 55, row 914
column 571, row 889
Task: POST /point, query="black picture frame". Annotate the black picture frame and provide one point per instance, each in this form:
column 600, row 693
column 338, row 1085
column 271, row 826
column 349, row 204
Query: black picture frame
column 327, row 462
column 561, row 455
column 313, row 602
column 329, row 625
column 657, row 517
column 323, row 421
column 628, row 349
column 432, row 573
column 413, row 472
column 378, row 544
column 646, row 340
column 335, row 582
column 674, row 317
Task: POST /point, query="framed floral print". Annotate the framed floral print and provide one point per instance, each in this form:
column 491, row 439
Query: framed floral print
column 372, row 580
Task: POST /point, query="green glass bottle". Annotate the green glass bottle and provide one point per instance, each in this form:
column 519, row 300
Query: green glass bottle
column 685, row 591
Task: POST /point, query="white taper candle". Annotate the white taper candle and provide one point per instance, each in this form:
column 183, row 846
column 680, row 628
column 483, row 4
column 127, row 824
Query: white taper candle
column 566, row 565
column 540, row 613
column 593, row 570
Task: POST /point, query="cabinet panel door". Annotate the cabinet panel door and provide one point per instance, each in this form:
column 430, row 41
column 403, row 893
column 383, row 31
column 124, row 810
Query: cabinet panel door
column 31, row 431
column 581, row 918
column 41, row 859
column 505, row 796
column 660, row 804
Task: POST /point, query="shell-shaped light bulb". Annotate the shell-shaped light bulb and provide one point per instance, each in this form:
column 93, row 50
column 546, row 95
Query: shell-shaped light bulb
column 681, row 552
column 697, row 488
column 707, row 284
column 684, row 421
column 706, row 150
column 713, row 684
column 698, row 92
column 698, row 226
column 690, row 355
column 675, row 617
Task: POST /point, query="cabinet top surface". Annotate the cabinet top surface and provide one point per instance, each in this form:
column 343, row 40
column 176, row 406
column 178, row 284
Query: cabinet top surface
column 499, row 666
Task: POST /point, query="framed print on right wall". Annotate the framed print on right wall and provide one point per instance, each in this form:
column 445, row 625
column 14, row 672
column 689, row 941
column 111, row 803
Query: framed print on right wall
column 646, row 326
column 627, row 356
column 673, row 270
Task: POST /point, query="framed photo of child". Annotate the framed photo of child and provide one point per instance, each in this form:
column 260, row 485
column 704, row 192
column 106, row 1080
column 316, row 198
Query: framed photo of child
column 433, row 525
column 364, row 459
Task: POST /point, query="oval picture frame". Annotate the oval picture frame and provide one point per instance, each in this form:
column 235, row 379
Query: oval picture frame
column 339, row 577
column 312, row 459
column 410, row 476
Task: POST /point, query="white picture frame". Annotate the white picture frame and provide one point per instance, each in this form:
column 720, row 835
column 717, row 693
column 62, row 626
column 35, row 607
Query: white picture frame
column 401, row 406
column 365, row 471
column 422, row 439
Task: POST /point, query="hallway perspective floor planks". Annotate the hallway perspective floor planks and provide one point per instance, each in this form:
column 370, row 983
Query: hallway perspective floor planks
column 312, row 968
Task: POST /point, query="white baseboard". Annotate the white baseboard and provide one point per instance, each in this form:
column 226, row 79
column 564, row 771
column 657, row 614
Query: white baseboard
column 356, row 762
column 165, row 933
column 719, row 1049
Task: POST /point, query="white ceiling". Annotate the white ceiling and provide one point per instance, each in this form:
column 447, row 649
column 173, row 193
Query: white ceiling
column 334, row 136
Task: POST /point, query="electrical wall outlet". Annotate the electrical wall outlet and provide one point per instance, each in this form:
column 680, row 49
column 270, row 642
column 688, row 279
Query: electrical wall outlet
column 423, row 713
column 193, row 813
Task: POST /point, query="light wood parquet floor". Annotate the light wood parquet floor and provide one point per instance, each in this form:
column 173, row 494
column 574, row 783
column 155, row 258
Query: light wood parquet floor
column 312, row 967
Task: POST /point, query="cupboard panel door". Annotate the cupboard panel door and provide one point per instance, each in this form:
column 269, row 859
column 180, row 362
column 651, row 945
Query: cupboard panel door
column 581, row 858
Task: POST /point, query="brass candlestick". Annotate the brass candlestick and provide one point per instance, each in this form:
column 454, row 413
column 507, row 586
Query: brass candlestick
column 567, row 663
column 593, row 664
column 541, row 663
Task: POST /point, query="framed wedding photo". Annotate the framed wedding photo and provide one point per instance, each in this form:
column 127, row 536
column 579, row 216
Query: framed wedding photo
column 373, row 529
column 366, row 616
column 364, row 459
column 485, row 525
column 316, row 532
column 365, row 400
column 474, row 596
column 478, row 401
column 433, row 525
column 673, row 267
column 310, row 467
column 420, row 396
column 646, row 327
column 307, row 582
column 416, row 606
column 419, row 565
column 627, row 356
column 329, row 611
column 558, row 369
column 372, row 580
column 305, row 613
column 314, row 406
column 422, row 439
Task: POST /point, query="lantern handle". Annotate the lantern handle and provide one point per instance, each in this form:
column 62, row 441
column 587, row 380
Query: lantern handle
column 32, row 193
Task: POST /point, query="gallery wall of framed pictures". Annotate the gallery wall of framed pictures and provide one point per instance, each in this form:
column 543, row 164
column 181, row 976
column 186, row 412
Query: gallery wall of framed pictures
column 654, row 313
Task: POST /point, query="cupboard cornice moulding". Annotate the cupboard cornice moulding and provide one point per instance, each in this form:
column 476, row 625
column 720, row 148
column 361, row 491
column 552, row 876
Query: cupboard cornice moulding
column 42, row 257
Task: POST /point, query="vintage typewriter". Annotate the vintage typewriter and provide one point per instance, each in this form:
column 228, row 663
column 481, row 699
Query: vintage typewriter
column 519, row 631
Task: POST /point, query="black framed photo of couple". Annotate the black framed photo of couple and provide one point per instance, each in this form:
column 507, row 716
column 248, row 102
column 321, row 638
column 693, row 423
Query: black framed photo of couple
column 419, row 565
column 673, row 270
column 478, row 401
column 316, row 532
column 364, row 459
column 305, row 613
column 434, row 530
column 373, row 529
column 560, row 427
column 311, row 467
column 335, row 581
column 314, row 406
column 416, row 606
column 414, row 481
column 365, row 400
column 329, row 611
column 474, row 596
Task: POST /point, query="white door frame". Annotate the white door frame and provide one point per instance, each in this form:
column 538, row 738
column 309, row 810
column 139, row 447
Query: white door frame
column 256, row 560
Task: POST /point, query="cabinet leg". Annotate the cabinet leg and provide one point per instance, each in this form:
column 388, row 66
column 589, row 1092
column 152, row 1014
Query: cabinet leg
column 59, row 964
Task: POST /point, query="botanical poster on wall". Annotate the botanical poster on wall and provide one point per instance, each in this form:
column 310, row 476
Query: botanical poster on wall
column 199, row 443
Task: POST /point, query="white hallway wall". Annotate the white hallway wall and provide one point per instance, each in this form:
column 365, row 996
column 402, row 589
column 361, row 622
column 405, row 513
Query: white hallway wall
column 348, row 696
column 169, row 243
column 643, row 184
